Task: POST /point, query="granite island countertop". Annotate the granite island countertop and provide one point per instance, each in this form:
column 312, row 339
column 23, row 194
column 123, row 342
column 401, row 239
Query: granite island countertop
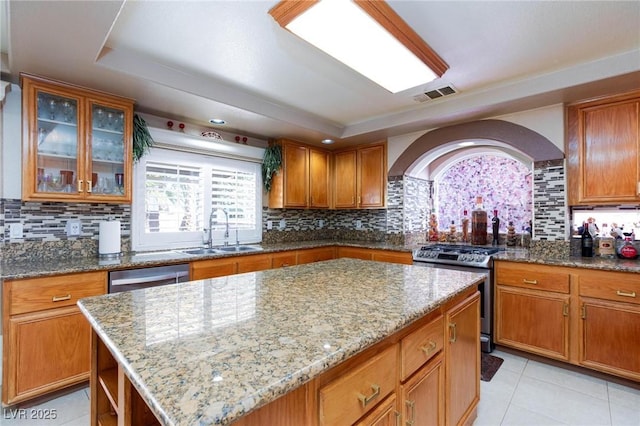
column 210, row 351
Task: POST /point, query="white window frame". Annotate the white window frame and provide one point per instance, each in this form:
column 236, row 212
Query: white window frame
column 141, row 241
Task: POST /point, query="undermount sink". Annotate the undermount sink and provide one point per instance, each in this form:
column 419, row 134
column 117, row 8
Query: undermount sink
column 237, row 248
column 202, row 251
column 222, row 249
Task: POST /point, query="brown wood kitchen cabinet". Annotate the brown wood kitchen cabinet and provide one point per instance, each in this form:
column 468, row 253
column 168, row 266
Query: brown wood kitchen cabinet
column 602, row 148
column 374, row 254
column 46, row 340
column 303, row 181
column 532, row 308
column 77, row 143
column 462, row 361
column 360, row 177
column 609, row 324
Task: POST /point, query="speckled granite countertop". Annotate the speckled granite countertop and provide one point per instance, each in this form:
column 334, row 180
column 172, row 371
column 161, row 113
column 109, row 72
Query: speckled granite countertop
column 209, row 351
column 17, row 268
column 602, row 263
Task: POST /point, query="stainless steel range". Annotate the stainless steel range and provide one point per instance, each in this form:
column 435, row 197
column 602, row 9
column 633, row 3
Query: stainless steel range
column 466, row 258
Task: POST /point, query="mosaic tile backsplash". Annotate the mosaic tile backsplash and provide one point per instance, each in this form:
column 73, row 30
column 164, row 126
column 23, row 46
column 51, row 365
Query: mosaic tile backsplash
column 404, row 221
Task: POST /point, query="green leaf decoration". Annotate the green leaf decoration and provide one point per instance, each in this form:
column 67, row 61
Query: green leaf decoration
column 271, row 163
column 142, row 139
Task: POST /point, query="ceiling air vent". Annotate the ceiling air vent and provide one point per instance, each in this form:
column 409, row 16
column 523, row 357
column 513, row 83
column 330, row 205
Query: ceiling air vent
column 435, row 94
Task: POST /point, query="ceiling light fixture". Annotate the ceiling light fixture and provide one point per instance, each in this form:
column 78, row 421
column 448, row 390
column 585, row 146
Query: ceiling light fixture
column 217, row 121
column 366, row 35
column 327, row 141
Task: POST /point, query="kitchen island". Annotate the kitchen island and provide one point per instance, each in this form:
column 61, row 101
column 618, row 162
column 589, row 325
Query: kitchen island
column 215, row 350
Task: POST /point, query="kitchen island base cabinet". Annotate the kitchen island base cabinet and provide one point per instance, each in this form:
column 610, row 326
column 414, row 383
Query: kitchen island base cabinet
column 114, row 400
column 423, row 395
column 45, row 337
column 462, row 361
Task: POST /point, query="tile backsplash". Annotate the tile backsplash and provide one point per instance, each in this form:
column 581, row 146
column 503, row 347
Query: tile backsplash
column 404, row 221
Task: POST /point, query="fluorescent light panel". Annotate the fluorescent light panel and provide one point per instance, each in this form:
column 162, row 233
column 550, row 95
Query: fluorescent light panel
column 350, row 34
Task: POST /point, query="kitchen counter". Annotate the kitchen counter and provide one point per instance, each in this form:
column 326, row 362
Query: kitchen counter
column 31, row 268
column 211, row 351
column 601, row 263
column 17, row 269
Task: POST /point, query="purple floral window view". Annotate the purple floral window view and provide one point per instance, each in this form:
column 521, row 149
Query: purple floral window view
column 504, row 184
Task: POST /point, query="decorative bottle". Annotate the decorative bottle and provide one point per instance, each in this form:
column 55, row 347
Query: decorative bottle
column 465, row 227
column 628, row 250
column 586, row 243
column 495, row 224
column 478, row 224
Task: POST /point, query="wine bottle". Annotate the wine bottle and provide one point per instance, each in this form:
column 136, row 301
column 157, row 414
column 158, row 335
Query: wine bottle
column 478, row 224
column 495, row 223
column 587, row 241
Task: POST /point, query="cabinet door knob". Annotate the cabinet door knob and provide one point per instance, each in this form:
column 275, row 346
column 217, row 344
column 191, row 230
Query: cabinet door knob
column 79, row 185
column 412, row 415
column 89, row 186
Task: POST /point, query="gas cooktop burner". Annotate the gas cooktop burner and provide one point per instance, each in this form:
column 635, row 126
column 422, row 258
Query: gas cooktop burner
column 460, row 248
column 456, row 254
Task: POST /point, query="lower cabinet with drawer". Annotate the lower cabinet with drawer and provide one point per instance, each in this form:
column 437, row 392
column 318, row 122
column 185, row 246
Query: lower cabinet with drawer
column 609, row 325
column 532, row 309
column 46, row 340
column 585, row 317
column 403, row 380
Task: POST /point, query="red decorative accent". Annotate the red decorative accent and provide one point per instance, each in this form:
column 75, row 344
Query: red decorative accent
column 237, row 139
column 170, row 124
column 181, row 125
column 244, row 140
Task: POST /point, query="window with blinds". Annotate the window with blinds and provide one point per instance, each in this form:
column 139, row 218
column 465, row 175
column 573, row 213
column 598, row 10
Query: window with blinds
column 177, row 195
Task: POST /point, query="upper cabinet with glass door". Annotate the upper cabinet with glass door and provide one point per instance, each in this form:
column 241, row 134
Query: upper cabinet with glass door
column 77, row 143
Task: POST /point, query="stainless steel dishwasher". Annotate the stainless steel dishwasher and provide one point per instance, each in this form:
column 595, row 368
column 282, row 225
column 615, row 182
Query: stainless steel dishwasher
column 133, row 279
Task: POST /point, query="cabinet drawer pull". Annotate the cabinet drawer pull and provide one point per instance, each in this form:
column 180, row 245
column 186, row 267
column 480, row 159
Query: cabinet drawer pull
column 427, row 349
column 365, row 400
column 398, row 416
column 412, row 415
column 284, row 265
column 565, row 309
column 526, row 281
column 60, row 298
column 79, row 185
column 626, row 293
column 452, row 333
column 89, row 186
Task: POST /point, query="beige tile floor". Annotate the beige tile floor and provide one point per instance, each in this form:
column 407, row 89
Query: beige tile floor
column 527, row 392
column 523, row 392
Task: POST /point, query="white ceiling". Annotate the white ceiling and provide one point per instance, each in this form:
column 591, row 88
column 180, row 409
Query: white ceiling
column 194, row 60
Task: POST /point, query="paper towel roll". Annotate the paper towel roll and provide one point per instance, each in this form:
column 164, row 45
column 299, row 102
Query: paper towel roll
column 109, row 238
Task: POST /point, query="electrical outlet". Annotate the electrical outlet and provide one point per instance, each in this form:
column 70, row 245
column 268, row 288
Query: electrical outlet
column 74, row 228
column 15, row 231
column 283, row 224
column 358, row 224
column 269, row 225
column 320, row 223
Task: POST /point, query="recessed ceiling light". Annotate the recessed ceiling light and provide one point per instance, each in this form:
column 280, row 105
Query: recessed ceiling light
column 466, row 143
column 327, row 141
column 217, row 121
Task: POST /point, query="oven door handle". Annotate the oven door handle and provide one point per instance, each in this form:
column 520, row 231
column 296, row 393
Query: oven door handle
column 140, row 280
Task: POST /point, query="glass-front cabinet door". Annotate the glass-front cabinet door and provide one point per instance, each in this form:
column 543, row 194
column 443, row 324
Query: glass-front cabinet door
column 78, row 143
column 57, row 132
column 108, row 150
